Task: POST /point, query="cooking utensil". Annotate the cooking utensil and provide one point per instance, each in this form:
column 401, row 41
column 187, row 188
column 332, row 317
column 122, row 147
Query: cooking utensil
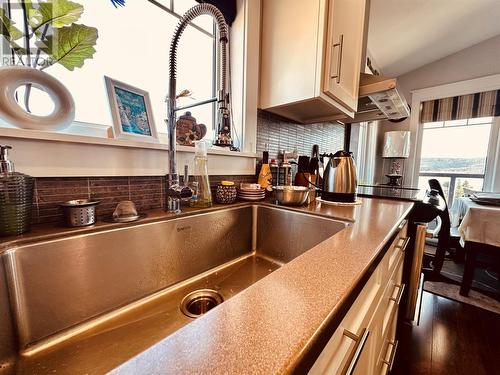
column 79, row 212
column 291, row 195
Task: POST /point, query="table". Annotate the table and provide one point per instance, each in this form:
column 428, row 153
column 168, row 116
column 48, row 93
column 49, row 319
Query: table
column 479, row 228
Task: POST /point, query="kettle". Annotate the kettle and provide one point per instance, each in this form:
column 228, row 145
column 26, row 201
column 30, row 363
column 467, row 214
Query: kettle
column 339, row 178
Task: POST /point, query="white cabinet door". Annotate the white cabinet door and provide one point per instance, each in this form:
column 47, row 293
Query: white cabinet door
column 344, row 50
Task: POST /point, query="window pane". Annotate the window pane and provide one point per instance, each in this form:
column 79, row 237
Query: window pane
column 205, row 21
column 423, row 183
column 455, row 122
column 135, row 51
column 430, row 125
column 165, row 3
column 481, row 120
column 457, row 150
column 194, row 72
column 466, row 185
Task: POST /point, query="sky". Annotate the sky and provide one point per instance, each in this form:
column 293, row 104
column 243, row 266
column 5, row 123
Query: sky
column 456, row 142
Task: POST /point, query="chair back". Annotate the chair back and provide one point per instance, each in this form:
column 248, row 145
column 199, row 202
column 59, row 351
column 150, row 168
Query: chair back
column 436, row 185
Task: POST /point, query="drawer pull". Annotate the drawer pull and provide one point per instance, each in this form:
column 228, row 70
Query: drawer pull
column 358, row 349
column 397, row 299
column 339, row 58
column 402, row 225
column 390, row 362
column 403, row 245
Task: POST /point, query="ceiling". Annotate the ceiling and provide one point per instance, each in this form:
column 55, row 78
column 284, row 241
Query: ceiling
column 407, row 34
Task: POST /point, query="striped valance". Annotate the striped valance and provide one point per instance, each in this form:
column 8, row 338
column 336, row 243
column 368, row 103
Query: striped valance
column 482, row 104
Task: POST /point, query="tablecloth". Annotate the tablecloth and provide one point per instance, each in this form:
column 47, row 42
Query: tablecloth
column 480, row 223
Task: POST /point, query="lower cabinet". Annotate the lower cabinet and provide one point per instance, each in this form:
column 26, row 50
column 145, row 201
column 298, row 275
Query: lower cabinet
column 365, row 341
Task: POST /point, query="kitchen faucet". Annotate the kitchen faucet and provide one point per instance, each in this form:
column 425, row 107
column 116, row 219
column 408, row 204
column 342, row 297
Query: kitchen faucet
column 174, row 189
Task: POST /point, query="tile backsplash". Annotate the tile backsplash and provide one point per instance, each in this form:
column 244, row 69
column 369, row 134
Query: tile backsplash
column 276, row 134
column 147, row 192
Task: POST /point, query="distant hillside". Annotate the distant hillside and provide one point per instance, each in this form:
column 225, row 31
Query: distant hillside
column 458, row 165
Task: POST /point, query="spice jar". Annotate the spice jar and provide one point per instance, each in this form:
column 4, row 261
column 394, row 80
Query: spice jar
column 226, row 192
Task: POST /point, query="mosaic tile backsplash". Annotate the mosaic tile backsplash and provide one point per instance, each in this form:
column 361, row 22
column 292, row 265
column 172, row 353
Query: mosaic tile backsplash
column 146, row 192
column 278, row 134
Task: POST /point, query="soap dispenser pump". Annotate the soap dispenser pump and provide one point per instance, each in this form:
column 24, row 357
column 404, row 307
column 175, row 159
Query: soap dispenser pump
column 16, row 197
column 6, row 166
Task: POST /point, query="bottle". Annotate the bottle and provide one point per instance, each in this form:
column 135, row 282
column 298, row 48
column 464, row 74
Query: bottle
column 265, row 176
column 16, row 197
column 274, row 172
column 203, row 195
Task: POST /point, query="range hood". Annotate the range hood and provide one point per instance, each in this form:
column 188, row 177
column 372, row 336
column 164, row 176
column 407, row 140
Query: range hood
column 379, row 99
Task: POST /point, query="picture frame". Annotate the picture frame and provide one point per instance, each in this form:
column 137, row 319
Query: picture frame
column 131, row 112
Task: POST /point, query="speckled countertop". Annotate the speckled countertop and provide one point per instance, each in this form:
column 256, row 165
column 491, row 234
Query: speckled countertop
column 273, row 325
column 278, row 324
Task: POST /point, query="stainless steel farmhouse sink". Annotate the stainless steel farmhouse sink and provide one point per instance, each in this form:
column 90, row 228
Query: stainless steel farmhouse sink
column 87, row 303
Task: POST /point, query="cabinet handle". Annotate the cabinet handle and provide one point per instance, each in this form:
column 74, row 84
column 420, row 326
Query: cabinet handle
column 403, row 223
column 403, row 246
column 339, row 58
column 390, row 362
column 357, row 350
column 397, row 299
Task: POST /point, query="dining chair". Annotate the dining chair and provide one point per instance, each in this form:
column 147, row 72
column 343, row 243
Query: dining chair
column 448, row 237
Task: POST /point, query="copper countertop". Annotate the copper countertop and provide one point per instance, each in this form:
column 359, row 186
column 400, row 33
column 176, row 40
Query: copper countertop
column 274, row 324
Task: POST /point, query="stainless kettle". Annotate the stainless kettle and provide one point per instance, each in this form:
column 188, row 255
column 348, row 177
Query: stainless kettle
column 339, row 178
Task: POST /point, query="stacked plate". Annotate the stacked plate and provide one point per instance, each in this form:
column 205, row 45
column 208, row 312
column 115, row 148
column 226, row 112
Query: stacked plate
column 251, row 192
column 486, row 198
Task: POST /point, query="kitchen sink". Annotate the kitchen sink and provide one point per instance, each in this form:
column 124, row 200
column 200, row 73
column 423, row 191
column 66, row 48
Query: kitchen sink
column 87, row 303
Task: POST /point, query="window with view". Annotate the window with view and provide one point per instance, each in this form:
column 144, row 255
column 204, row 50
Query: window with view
column 133, row 49
column 455, row 153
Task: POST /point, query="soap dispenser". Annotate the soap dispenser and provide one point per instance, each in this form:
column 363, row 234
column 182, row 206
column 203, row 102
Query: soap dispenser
column 16, row 197
column 203, row 196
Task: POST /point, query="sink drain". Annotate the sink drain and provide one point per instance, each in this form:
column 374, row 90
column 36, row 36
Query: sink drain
column 199, row 302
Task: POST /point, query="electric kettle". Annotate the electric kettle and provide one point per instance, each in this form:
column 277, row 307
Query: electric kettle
column 339, row 178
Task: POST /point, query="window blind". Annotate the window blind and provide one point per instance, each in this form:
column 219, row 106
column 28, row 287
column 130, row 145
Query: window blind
column 482, row 104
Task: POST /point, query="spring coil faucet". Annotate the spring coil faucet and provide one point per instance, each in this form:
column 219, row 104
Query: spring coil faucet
column 174, row 190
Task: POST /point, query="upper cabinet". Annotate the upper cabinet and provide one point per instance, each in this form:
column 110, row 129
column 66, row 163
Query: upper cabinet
column 311, row 57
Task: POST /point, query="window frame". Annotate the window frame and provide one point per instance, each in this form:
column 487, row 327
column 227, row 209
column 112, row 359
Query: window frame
column 487, row 83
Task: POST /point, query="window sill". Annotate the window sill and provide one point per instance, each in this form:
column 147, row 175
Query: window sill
column 107, row 142
column 46, row 154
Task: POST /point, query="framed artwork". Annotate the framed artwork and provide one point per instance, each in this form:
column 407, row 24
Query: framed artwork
column 131, row 112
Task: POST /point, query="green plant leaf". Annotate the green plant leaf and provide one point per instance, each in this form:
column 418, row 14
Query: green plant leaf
column 7, row 28
column 70, row 46
column 34, row 16
column 57, row 13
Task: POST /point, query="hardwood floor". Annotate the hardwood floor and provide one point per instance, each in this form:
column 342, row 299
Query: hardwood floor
column 452, row 338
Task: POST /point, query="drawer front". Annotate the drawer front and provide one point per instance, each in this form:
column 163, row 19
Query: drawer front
column 351, row 341
column 397, row 248
column 366, row 335
column 388, row 319
column 389, row 350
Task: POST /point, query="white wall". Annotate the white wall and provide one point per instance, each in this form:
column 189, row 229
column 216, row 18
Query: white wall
column 480, row 60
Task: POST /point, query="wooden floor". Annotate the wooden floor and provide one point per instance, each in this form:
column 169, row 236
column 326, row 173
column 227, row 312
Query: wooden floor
column 452, row 338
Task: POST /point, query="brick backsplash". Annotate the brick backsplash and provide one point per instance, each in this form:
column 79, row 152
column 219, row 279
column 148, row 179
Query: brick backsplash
column 147, row 192
column 276, row 134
